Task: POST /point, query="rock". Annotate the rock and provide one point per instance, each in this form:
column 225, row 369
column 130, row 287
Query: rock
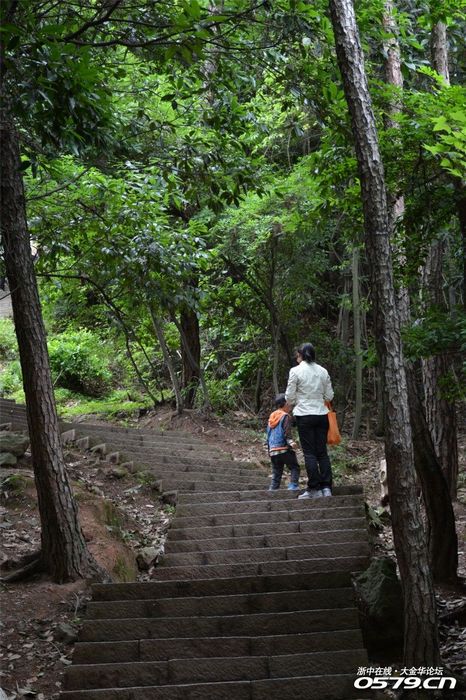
column 65, row 633
column 146, row 557
column 380, row 606
column 7, row 458
column 170, row 498
column 14, row 443
column 117, row 473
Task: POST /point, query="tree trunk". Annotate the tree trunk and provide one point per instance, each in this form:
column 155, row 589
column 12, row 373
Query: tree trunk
column 64, row 551
column 421, row 645
column 190, row 355
column 441, row 531
column 439, row 50
column 357, row 346
column 168, row 360
column 195, row 361
column 440, row 413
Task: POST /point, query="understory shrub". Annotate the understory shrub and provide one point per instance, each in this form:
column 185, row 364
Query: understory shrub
column 8, row 343
column 80, row 362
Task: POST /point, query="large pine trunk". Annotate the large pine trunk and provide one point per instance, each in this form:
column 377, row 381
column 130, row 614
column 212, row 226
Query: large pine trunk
column 440, row 412
column 64, row 552
column 441, row 530
column 421, row 635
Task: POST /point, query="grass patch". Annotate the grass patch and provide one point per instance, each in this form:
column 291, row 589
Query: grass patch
column 116, row 404
column 15, row 485
column 123, row 571
column 343, row 462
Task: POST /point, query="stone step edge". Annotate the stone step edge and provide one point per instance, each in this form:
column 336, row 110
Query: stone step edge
column 208, row 688
column 168, row 600
column 215, row 641
column 323, row 533
column 183, row 521
column 187, row 583
column 266, row 673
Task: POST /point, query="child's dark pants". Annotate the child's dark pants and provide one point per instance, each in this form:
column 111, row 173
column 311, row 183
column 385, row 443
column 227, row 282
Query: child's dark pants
column 279, row 462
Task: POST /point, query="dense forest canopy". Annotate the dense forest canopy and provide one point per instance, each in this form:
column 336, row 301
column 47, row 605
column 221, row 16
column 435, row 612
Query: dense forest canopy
column 192, row 170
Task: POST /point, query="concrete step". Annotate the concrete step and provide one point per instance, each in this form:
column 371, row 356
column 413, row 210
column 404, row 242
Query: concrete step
column 178, row 484
column 279, row 540
column 207, row 476
column 330, row 687
column 177, row 671
column 180, row 468
column 297, row 510
column 282, row 601
column 155, row 590
column 263, row 505
column 270, row 526
column 267, row 554
column 257, row 625
column 124, row 431
column 188, row 648
column 133, row 438
column 351, row 563
column 106, row 446
column 265, row 495
column 205, row 461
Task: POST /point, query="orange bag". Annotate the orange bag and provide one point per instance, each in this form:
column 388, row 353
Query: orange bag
column 333, row 435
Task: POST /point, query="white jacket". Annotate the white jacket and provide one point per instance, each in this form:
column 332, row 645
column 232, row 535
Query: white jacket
column 308, row 387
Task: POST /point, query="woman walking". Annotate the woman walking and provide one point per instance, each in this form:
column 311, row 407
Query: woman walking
column 309, row 386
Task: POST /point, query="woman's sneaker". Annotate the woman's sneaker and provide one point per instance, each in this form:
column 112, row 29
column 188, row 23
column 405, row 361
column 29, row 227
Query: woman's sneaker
column 311, row 493
column 326, row 492
column 293, row 487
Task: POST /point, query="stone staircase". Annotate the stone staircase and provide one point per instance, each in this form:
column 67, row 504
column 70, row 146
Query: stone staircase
column 252, row 600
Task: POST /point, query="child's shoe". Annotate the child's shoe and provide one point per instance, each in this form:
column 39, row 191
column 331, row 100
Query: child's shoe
column 273, row 488
column 293, row 487
column 326, row 492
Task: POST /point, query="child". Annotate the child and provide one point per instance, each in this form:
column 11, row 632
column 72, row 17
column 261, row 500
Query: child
column 280, row 445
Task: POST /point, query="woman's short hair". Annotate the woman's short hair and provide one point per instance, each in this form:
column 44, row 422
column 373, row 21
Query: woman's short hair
column 307, row 352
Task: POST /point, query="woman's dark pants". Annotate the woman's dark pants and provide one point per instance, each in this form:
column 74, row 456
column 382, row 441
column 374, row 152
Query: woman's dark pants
column 312, row 432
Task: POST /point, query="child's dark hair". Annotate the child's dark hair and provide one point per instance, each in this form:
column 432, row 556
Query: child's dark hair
column 280, row 400
column 307, row 352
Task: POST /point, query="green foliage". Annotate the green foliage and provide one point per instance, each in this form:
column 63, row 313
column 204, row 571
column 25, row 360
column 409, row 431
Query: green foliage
column 224, row 395
column 438, row 332
column 187, row 160
column 116, row 404
column 80, row 362
column 11, row 382
column 8, row 343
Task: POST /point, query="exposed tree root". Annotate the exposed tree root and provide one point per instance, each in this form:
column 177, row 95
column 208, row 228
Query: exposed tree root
column 28, row 565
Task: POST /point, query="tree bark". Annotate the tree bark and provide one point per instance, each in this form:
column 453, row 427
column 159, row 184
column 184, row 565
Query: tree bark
column 441, row 531
column 357, row 346
column 63, row 548
column 190, row 355
column 439, row 50
column 440, row 412
column 168, row 360
column 441, row 528
column 194, row 360
column 421, row 645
